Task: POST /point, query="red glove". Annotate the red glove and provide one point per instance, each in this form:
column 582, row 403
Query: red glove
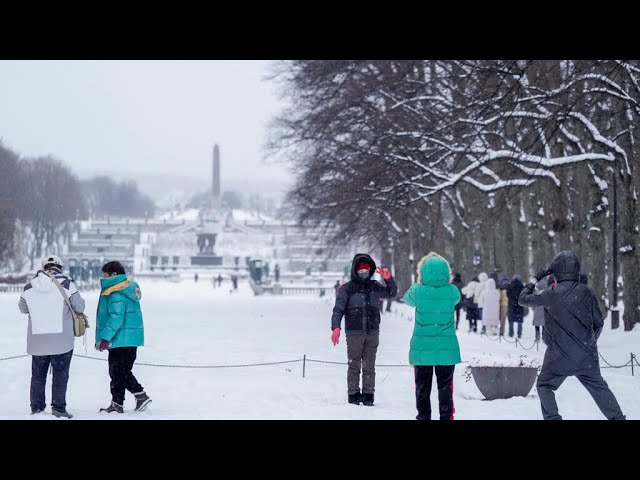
column 104, row 345
column 385, row 273
column 335, row 335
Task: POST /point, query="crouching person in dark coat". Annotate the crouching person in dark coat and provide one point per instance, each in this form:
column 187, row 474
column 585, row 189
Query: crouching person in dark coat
column 359, row 302
column 573, row 323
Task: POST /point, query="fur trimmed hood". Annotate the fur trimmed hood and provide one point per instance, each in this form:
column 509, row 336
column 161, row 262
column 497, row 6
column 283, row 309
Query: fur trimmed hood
column 433, row 270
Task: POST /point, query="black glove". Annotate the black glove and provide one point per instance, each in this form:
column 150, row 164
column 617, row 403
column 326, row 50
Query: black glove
column 541, row 274
column 530, row 286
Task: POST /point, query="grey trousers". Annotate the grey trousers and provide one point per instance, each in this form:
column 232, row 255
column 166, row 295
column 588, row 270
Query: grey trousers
column 361, row 352
column 549, row 382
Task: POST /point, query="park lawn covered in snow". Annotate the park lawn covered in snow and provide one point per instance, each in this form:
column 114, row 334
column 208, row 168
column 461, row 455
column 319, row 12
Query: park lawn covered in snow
column 194, row 335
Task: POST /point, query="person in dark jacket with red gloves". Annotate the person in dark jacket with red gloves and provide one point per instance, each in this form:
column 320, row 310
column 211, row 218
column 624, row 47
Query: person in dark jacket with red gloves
column 359, row 302
column 573, row 323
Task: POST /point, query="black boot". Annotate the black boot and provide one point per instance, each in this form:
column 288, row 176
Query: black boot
column 355, row 398
column 114, row 407
column 367, row 399
column 61, row 413
column 142, row 401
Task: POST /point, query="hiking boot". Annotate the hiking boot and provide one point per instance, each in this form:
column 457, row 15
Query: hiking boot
column 114, row 407
column 60, row 413
column 35, row 411
column 367, row 399
column 142, row 401
column 355, row 398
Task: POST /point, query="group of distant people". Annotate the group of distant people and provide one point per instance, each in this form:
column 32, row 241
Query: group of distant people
column 569, row 310
column 491, row 301
column 218, row 280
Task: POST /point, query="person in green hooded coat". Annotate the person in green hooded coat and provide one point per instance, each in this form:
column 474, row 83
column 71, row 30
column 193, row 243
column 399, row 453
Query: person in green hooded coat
column 434, row 344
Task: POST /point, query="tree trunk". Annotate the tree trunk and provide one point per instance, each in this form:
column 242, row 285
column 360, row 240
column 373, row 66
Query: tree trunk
column 402, row 265
column 596, row 239
column 628, row 251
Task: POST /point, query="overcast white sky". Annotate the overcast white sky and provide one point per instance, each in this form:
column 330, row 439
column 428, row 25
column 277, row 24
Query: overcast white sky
column 142, row 117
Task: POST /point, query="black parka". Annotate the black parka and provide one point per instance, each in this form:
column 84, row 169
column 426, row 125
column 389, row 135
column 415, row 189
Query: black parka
column 514, row 309
column 359, row 300
column 573, row 321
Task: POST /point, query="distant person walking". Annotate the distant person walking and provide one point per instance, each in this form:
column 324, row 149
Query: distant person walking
column 504, row 302
column 276, row 273
column 490, row 303
column 515, row 311
column 470, row 305
column 573, row 324
column 50, row 338
column 457, row 281
column 538, row 312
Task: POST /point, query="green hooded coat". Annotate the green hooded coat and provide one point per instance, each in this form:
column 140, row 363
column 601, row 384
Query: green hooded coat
column 434, row 340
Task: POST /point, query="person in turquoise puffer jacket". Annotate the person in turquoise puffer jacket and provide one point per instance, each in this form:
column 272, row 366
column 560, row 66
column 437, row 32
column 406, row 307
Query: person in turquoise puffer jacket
column 120, row 330
column 434, row 344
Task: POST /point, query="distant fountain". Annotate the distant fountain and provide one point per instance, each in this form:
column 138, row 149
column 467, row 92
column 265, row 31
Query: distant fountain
column 206, row 254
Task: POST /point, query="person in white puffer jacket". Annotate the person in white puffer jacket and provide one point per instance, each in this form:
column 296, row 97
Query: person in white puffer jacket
column 490, row 303
column 50, row 338
column 482, row 284
column 469, row 304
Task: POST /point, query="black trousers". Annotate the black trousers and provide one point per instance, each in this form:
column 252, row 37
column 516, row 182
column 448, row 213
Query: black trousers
column 60, row 366
column 424, row 379
column 549, row 381
column 472, row 316
column 121, row 362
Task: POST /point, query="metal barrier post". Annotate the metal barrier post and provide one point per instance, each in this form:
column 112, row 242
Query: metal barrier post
column 304, row 364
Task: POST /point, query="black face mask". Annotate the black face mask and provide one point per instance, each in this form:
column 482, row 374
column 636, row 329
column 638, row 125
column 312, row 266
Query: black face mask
column 363, row 275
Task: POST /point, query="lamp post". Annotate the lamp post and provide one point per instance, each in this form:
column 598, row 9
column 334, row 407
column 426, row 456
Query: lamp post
column 615, row 314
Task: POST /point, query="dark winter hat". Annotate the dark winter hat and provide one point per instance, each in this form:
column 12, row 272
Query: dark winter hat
column 363, row 266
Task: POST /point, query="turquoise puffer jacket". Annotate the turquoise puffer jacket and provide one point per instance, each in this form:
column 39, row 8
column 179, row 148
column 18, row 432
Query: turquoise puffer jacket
column 434, row 340
column 119, row 317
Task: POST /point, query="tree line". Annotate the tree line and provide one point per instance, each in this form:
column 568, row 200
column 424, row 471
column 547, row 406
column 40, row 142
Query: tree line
column 41, row 197
column 498, row 165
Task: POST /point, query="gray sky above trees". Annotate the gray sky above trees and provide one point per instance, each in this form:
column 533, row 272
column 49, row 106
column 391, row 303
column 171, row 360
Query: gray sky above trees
column 137, row 119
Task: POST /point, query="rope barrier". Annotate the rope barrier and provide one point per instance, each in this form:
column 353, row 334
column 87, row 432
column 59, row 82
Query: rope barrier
column 15, row 356
column 489, row 337
column 529, row 348
column 165, row 365
column 614, row 366
column 345, row 363
column 632, row 360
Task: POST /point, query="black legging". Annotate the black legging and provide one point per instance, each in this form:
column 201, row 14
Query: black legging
column 444, row 379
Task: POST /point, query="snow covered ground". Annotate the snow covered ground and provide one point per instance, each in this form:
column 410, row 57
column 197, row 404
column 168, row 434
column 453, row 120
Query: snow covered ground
column 188, row 324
